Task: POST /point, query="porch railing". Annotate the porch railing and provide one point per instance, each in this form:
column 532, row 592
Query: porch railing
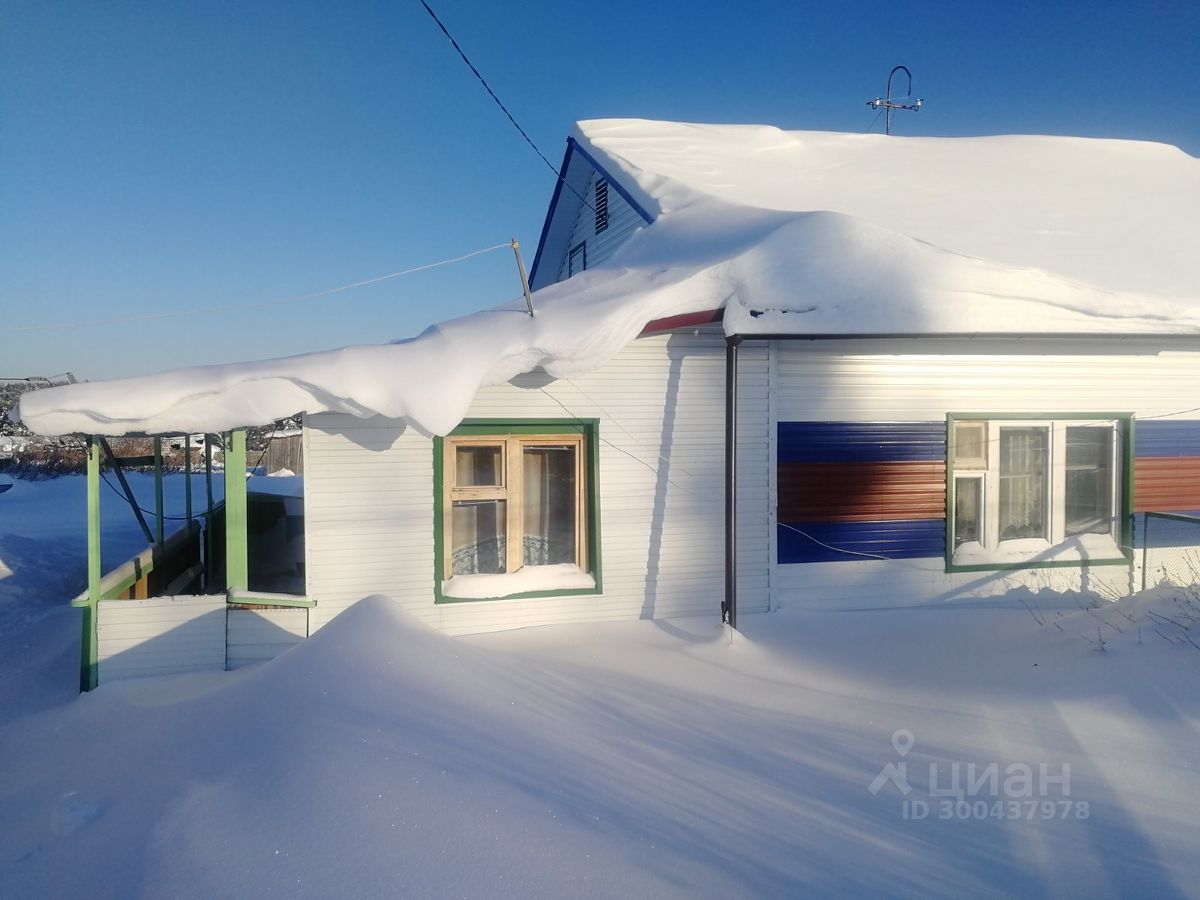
column 173, row 567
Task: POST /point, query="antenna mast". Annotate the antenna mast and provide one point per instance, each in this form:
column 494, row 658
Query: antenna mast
column 888, row 104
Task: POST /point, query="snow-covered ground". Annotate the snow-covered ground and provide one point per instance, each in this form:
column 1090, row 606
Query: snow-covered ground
column 642, row 759
column 43, row 535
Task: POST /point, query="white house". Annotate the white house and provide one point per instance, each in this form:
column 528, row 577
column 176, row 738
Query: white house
column 766, row 368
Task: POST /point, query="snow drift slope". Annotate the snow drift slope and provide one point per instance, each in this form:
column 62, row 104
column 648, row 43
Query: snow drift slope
column 788, row 232
column 381, row 759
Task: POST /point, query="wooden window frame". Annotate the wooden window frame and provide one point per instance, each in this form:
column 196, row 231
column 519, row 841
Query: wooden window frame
column 514, row 436
column 512, row 491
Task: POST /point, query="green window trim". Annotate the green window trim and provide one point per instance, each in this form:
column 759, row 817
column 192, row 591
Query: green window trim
column 1128, row 424
column 590, row 429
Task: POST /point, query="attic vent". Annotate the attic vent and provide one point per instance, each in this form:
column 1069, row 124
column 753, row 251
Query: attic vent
column 601, row 205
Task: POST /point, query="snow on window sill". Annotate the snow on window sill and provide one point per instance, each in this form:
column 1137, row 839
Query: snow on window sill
column 528, row 579
column 1079, row 548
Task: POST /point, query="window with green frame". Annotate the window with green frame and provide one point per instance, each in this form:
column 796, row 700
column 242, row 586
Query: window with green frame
column 511, row 496
column 1027, row 491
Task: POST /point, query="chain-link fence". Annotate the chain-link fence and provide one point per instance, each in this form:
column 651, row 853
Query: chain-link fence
column 1170, row 549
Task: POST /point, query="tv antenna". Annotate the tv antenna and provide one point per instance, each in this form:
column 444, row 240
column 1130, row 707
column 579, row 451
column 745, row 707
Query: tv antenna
column 888, row 105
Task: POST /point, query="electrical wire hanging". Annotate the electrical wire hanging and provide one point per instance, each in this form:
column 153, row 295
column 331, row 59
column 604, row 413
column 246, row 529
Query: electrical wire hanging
column 504, row 109
column 150, row 512
column 295, row 298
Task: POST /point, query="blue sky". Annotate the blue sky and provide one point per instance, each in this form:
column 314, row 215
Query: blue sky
column 157, row 157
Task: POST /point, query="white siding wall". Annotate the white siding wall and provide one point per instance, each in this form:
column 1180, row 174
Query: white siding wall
column 369, row 493
column 623, row 220
column 848, row 383
column 256, row 635
column 160, row 636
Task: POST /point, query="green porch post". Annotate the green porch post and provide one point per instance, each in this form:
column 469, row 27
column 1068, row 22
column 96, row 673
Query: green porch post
column 236, row 558
column 208, row 542
column 158, row 492
column 208, row 439
column 88, row 657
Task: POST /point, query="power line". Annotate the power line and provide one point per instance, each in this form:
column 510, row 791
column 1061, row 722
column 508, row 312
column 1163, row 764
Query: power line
column 207, row 310
column 500, row 103
column 133, row 503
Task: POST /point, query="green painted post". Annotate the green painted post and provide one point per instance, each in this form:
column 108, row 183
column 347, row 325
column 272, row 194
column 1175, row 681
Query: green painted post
column 88, row 657
column 208, row 544
column 158, row 492
column 187, row 475
column 208, row 469
column 236, row 557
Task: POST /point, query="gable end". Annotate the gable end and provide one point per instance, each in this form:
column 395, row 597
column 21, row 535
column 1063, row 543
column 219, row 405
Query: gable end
column 570, row 222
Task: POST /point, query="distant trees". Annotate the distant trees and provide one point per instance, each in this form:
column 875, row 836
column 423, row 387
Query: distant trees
column 27, row 455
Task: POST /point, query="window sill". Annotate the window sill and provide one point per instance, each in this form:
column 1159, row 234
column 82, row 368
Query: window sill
column 528, row 581
column 1035, row 553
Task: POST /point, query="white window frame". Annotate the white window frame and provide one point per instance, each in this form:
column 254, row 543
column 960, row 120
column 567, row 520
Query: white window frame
column 1056, row 546
column 973, row 475
column 963, row 464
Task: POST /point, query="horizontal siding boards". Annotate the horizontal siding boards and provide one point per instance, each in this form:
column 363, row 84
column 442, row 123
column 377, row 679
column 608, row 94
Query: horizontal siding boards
column 1166, row 438
column 885, row 584
column 922, row 381
column 660, row 403
column 1166, row 468
column 818, row 442
column 160, row 636
column 861, row 492
column 1166, row 483
column 1155, row 533
column 808, row 542
column 852, row 488
column 256, row 635
column 623, row 221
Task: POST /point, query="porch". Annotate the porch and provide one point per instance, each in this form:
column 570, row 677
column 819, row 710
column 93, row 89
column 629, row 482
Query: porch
column 222, row 588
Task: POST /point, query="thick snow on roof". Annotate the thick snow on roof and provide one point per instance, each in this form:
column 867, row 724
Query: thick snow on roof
column 1117, row 215
column 789, row 232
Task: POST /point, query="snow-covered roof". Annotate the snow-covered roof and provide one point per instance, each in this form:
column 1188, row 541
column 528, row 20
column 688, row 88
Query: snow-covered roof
column 788, row 232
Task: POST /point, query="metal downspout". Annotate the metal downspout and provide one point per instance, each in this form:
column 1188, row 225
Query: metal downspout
column 729, row 605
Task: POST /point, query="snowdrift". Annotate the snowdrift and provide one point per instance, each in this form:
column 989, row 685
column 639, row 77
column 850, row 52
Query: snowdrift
column 379, row 758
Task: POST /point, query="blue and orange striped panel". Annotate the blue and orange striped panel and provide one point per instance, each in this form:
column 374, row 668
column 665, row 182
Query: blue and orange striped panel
column 861, row 490
column 1166, row 466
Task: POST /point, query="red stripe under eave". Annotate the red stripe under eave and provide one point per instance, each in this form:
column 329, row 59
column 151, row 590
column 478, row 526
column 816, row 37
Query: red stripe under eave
column 685, row 320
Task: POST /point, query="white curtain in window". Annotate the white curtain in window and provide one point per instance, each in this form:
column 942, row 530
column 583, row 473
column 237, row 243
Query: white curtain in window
column 1023, row 483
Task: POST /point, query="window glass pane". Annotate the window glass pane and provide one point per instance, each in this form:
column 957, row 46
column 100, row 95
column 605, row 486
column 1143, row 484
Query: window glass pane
column 1089, row 480
column 1022, row 483
column 968, row 501
column 577, row 260
column 478, row 466
column 478, row 537
column 550, row 504
column 969, row 446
